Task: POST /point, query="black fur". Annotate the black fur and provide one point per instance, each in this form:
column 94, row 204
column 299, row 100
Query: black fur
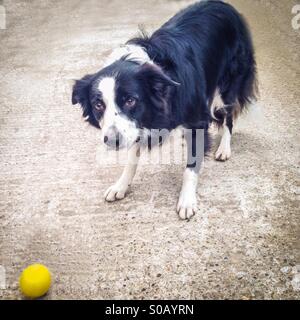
column 203, row 47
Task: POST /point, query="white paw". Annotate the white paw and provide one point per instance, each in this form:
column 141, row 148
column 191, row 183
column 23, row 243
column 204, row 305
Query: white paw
column 187, row 205
column 223, row 153
column 116, row 192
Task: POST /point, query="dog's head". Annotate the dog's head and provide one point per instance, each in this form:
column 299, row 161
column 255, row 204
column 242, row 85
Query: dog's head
column 124, row 98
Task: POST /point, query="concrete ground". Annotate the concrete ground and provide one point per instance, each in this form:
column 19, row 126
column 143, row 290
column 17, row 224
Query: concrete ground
column 244, row 243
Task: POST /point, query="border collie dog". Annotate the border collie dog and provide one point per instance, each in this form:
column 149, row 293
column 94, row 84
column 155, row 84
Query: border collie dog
column 197, row 69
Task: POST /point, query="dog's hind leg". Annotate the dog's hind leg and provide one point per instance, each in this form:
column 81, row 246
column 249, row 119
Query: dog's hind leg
column 223, row 152
column 222, row 115
column 119, row 189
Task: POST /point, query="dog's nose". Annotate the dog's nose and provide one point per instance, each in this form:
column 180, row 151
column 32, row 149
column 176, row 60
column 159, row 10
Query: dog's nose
column 112, row 138
column 111, row 141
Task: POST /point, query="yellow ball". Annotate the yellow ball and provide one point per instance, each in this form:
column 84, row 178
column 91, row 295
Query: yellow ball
column 35, row 281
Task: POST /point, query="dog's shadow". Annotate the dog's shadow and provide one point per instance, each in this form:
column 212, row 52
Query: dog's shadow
column 243, row 144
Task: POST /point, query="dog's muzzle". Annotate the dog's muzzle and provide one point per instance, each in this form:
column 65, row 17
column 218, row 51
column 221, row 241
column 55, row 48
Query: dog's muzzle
column 113, row 138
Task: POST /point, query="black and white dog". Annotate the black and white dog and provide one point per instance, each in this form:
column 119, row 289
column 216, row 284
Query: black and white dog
column 198, row 68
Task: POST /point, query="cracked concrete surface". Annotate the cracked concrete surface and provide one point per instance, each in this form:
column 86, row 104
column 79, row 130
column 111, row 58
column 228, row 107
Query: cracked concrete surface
column 244, row 243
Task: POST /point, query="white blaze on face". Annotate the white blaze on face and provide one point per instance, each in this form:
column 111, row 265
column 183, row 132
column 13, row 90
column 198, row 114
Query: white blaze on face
column 107, row 88
column 112, row 116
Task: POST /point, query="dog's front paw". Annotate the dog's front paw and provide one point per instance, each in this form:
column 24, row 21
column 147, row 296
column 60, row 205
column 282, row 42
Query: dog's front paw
column 187, row 205
column 116, row 192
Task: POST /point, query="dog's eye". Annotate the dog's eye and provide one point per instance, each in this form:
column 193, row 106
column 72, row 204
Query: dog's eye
column 100, row 106
column 130, row 102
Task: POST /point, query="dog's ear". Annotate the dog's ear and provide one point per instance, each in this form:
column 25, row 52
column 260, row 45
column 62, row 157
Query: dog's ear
column 155, row 79
column 75, row 96
column 80, row 95
column 81, row 89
